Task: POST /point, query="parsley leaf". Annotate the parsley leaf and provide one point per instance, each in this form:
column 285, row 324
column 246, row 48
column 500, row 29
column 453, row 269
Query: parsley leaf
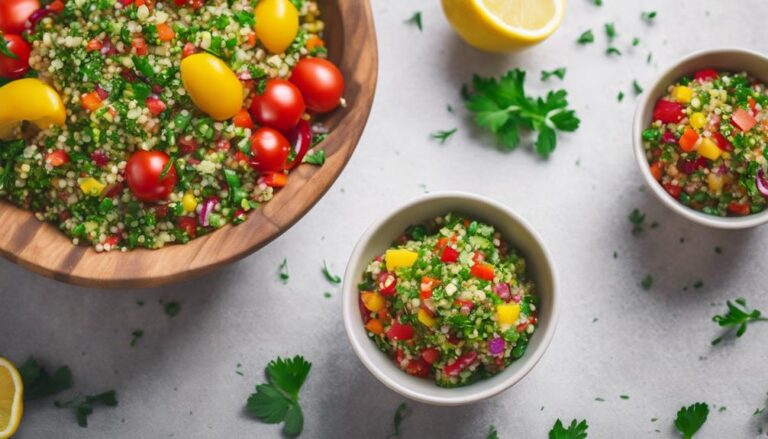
column 135, row 336
column 492, row 433
column 443, row 136
column 172, row 308
column 503, row 108
column 636, row 87
column 620, row 97
column 278, row 401
column 84, row 407
column 560, row 73
column 648, row 16
column 5, row 50
column 586, row 38
column 610, row 31
column 738, row 316
column 415, row 20
column 400, row 414
column 577, row 430
column 635, row 42
column 316, row 158
column 38, row 383
column 332, row 278
column 636, row 218
column 612, row 51
column 284, row 276
column 690, row 419
column 647, row 282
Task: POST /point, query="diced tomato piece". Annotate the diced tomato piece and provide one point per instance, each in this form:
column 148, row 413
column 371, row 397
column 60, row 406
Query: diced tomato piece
column 56, row 6
column 140, row 46
column 274, row 179
column 112, row 240
column 241, row 157
column 418, row 368
column 165, row 32
column 94, row 45
column 223, row 145
column 399, row 331
column 91, row 101
column 752, row 106
column 243, row 119
column 99, row 157
column 155, row 106
column 722, row 142
column 103, row 94
column 668, row 111
column 126, row 2
column 314, row 42
column 672, row 189
column 740, row 209
column 688, row 140
column 189, row 49
column 197, row 4
column 656, row 170
column 180, row 2
column 521, row 327
column 251, row 39
column 441, row 243
column 427, row 285
column 387, row 283
column 743, row 120
column 464, row 303
column 706, row 75
column 461, row 363
column 161, row 210
column 364, row 312
column 430, row 355
column 478, row 257
column 187, row 145
column 189, row 225
column 449, row 255
column 57, row 157
column 113, row 190
column 482, row 271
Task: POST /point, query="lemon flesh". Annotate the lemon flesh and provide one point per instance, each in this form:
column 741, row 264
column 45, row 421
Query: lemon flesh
column 11, row 406
column 531, row 15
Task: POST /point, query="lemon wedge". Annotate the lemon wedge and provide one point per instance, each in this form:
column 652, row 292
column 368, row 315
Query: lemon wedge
column 504, row 25
column 11, row 405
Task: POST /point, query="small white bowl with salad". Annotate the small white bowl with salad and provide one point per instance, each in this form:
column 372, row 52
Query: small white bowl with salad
column 450, row 299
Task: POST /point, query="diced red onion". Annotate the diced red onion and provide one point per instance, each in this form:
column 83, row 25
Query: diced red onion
column 496, row 345
column 107, row 48
column 502, row 290
column 762, row 183
column 668, row 137
column 36, row 17
column 103, row 94
column 245, row 75
column 205, row 212
column 722, row 170
column 691, row 166
column 516, row 298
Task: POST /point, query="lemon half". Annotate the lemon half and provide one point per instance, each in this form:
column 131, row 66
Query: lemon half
column 11, row 405
column 504, row 25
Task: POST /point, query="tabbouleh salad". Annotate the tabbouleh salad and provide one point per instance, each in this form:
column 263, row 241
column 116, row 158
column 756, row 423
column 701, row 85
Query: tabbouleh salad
column 147, row 123
column 450, row 300
column 708, row 142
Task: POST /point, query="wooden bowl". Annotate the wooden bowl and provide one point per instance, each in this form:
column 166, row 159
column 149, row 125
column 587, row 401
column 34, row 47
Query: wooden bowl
column 42, row 248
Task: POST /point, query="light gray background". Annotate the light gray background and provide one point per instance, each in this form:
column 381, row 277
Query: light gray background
column 180, row 380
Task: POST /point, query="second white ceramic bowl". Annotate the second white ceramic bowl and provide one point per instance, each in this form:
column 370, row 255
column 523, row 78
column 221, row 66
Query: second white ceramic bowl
column 732, row 60
column 518, row 234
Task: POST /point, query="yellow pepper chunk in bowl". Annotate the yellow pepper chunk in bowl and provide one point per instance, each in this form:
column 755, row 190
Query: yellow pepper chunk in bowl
column 29, row 100
column 400, row 258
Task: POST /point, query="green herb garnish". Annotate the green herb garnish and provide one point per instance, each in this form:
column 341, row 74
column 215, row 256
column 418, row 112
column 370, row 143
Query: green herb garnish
column 586, row 38
column 690, row 419
column 278, row 400
column 737, row 316
column 647, row 282
column 636, row 218
column 560, row 73
column 610, row 31
column 492, row 433
column 612, row 51
column 172, row 308
column 332, row 278
column 316, row 158
column 38, row 383
column 577, row 430
column 400, row 414
column 135, row 336
column 620, row 97
column 648, row 16
column 443, row 136
column 636, row 87
column 635, row 42
column 284, row 276
column 415, row 20
column 503, row 107
column 83, row 407
column 4, row 49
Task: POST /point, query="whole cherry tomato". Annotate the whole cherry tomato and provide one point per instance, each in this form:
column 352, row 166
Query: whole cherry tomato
column 270, row 150
column 13, row 68
column 143, row 173
column 14, row 13
column 279, row 107
column 320, row 82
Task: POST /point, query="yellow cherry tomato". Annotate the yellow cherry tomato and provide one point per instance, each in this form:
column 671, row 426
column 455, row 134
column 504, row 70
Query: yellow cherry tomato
column 277, row 23
column 212, row 85
column 31, row 100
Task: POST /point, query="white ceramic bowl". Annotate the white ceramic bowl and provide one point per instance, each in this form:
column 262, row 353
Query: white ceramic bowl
column 733, row 60
column 515, row 230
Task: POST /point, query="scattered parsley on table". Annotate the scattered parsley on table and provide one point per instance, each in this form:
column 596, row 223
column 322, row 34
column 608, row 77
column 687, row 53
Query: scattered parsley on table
column 278, row 400
column 586, row 38
column 502, row 107
column 637, row 218
column 332, row 278
column 135, row 336
column 400, row 414
column 612, row 51
column 39, row 383
column 690, row 419
column 559, row 73
column 443, row 136
column 172, row 309
column 648, row 16
column 83, row 407
column 284, row 276
column 647, row 282
column 577, row 430
column 316, row 158
column 737, row 317
column 610, row 31
column 492, row 433
column 636, row 87
column 416, row 20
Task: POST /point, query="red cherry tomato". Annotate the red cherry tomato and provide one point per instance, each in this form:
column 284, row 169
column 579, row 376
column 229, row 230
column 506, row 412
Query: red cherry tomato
column 320, row 82
column 14, row 13
column 279, row 107
column 143, row 174
column 430, row 355
column 15, row 68
column 269, row 149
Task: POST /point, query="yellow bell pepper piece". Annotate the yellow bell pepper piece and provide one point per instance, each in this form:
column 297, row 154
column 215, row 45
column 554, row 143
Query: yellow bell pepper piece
column 373, row 301
column 698, row 120
column 188, row 202
column 508, row 313
column 212, row 85
column 682, row 94
column 715, row 182
column 91, row 186
column 426, row 319
column 708, row 148
column 31, row 100
column 400, row 258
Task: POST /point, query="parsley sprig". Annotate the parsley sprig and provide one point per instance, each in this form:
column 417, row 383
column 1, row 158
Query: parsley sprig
column 492, row 433
column 83, row 407
column 416, row 20
column 503, row 107
column 559, row 73
column 400, row 414
column 738, row 317
column 278, row 400
column 690, row 419
column 443, row 136
column 284, row 276
column 39, row 383
column 587, row 37
column 332, row 278
column 576, row 430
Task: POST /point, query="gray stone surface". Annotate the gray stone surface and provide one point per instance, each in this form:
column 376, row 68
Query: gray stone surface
column 614, row 338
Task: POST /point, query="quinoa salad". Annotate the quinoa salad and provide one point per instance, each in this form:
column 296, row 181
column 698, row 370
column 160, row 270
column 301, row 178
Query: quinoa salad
column 708, row 142
column 141, row 123
column 449, row 301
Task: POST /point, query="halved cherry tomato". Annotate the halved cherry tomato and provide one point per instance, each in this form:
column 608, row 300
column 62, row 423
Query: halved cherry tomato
column 13, row 68
column 321, row 83
column 14, row 13
column 189, row 225
column 399, row 331
column 140, row 46
column 57, row 157
column 279, row 107
column 430, row 355
column 269, row 150
column 155, row 105
column 143, row 173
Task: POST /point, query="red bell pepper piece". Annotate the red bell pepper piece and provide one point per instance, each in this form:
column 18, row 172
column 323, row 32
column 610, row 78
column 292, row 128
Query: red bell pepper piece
column 482, row 271
column 449, row 255
column 399, row 331
column 706, row 75
column 743, row 120
column 722, row 142
column 673, row 190
column 668, row 111
column 740, row 209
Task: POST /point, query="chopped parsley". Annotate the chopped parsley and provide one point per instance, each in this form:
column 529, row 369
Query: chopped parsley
column 576, row 430
column 610, row 31
column 635, row 42
column 502, row 107
column 637, row 218
column 83, row 407
column 636, row 87
column 39, row 383
column 647, row 282
column 400, row 414
column 737, row 317
column 284, row 276
column 415, row 20
column 598, row 2
column 443, row 136
column 492, row 433
column 4, row 50
column 172, row 308
column 316, row 158
column 135, row 336
column 278, row 400
column 560, row 73
column 624, row 397
column 332, row 278
column 586, row 38
column 612, row 51
column 620, row 96
column 690, row 419
column 648, row 16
